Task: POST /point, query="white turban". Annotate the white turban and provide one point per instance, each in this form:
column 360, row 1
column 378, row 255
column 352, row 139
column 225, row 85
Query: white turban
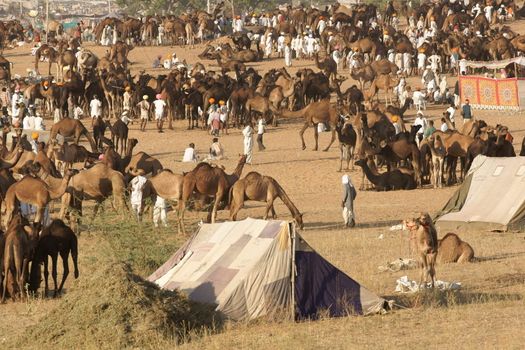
column 345, row 179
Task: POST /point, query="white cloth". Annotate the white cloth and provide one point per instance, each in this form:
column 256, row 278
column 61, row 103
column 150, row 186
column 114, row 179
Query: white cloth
column 189, row 155
column 159, row 108
column 29, row 122
column 248, row 143
column 260, row 126
column 144, row 109
column 444, row 127
column 451, row 111
column 421, row 121
column 159, row 212
column 95, row 108
column 137, row 185
column 39, row 123
column 287, row 56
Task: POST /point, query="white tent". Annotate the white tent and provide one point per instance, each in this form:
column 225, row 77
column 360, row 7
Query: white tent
column 492, row 197
column 255, row 268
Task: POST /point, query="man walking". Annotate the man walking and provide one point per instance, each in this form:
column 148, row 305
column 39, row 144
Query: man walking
column 144, row 112
column 260, row 132
column 349, row 194
column 248, row 142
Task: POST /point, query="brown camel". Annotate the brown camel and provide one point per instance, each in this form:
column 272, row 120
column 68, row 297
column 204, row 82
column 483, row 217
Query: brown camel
column 142, row 160
column 68, row 127
column 383, row 82
column 208, row 181
column 35, row 191
column 113, row 160
column 231, row 66
column 364, row 75
column 119, row 135
column 46, row 51
column 257, row 187
column 55, row 239
column 261, row 105
column 313, row 114
column 328, row 66
column 452, row 249
column 96, row 183
column 423, row 237
column 20, row 239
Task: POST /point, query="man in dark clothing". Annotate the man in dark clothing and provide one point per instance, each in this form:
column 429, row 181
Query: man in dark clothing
column 466, row 111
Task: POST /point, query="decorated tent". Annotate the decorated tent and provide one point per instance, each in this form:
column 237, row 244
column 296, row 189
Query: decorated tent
column 491, row 197
column 255, row 268
column 490, row 93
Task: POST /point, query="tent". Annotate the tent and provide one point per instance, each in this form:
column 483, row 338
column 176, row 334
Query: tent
column 255, row 268
column 491, row 197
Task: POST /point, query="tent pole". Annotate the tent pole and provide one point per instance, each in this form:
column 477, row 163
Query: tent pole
column 292, row 272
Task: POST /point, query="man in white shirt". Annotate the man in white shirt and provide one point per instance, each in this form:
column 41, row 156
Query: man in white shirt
column 144, row 112
column 451, row 111
column 159, row 104
column 321, row 25
column 421, row 121
column 29, row 121
column 190, row 156
column 444, row 126
column 260, row 132
column 137, row 185
column 419, row 99
column 248, row 142
column 95, row 108
column 39, row 122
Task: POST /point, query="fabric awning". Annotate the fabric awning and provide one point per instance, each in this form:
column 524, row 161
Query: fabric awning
column 496, row 64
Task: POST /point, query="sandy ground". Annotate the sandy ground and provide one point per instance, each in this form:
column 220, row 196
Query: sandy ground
column 311, row 180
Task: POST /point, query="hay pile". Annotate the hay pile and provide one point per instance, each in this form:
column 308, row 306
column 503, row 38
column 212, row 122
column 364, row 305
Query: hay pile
column 114, row 308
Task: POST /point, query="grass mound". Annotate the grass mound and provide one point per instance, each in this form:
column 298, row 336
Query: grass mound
column 114, row 308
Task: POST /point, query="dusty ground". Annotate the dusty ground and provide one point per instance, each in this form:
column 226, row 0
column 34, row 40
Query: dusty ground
column 489, row 313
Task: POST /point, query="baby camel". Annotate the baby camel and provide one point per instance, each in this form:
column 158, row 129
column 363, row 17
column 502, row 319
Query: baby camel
column 423, row 236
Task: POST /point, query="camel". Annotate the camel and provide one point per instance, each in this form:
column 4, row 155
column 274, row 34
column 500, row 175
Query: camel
column 231, row 66
column 52, row 55
column 456, row 146
column 167, row 185
column 208, row 181
column 113, row 160
column 347, row 138
column 451, row 249
column 438, row 153
column 328, row 66
column 35, row 191
column 262, row 105
column 363, row 74
column 391, row 180
column 96, row 183
column 382, row 82
column 66, row 154
column 190, row 35
column 119, row 135
column 401, row 150
column 313, row 114
column 424, row 237
column 257, row 187
column 68, row 127
column 144, row 161
column 19, row 242
column 55, row 239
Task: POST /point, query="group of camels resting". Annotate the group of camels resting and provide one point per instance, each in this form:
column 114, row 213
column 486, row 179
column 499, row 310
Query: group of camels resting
column 40, row 181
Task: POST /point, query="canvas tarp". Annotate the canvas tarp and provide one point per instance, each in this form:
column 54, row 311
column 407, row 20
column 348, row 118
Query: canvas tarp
column 245, row 269
column 491, row 197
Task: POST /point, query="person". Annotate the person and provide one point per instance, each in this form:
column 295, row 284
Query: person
column 444, row 126
column 214, row 120
column 159, row 212
column 395, row 122
column 466, row 111
column 349, row 195
column 287, row 56
column 156, row 62
column 126, row 99
column 16, row 99
column 190, row 155
column 144, row 112
column 159, row 104
column 4, row 97
column 419, row 99
column 280, row 45
column 39, row 122
column 260, row 132
column 28, row 122
column 34, row 142
column 223, row 114
column 248, row 141
column 125, row 117
column 421, row 121
column 137, row 186
column 429, row 130
column 95, row 108
column 216, row 150
column 78, row 112
column 451, row 112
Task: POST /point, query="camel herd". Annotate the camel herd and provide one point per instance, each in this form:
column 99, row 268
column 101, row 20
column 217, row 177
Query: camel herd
column 364, row 127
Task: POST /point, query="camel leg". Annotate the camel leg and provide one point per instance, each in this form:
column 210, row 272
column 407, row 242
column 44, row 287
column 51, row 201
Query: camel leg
column 235, row 206
column 301, row 134
column 316, row 137
column 54, row 273
column 46, row 275
column 331, row 141
column 65, row 265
